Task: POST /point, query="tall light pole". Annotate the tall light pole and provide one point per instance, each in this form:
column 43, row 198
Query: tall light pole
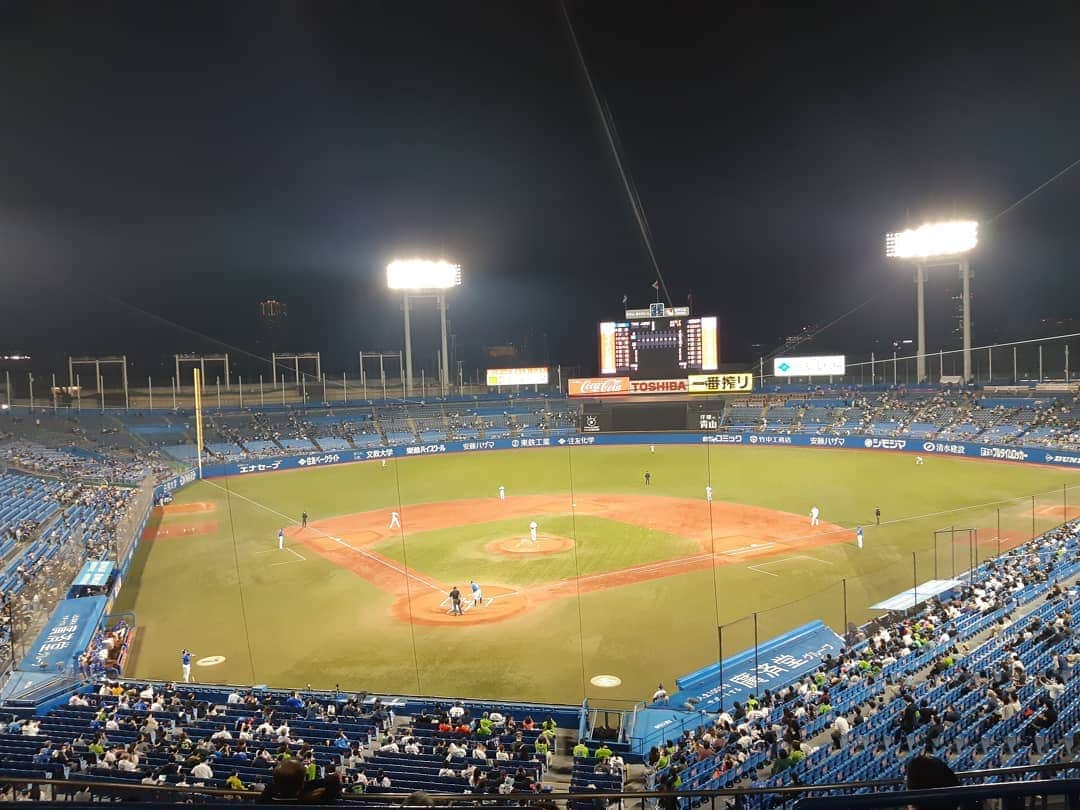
column 417, row 278
column 934, row 245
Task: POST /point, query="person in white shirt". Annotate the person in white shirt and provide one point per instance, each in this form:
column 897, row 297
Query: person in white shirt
column 502, row 493
column 412, row 747
column 202, row 770
column 264, row 729
column 532, row 530
column 479, row 752
column 456, row 711
column 660, row 695
column 814, row 512
column 234, row 697
column 708, row 494
column 395, row 520
column 389, row 747
column 455, row 751
column 841, row 724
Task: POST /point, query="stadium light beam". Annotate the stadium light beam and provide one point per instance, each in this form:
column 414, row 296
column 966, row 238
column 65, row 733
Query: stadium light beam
column 424, row 276
column 933, row 244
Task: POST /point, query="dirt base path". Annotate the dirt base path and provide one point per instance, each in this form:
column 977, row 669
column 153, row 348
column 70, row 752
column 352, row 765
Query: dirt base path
column 726, row 533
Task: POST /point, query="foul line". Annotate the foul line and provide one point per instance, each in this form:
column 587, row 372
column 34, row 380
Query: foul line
column 363, row 552
column 758, row 566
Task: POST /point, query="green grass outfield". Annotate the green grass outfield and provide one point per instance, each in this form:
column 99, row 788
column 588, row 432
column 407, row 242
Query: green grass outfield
column 226, row 594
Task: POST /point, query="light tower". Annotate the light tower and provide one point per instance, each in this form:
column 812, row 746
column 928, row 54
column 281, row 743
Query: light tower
column 423, row 278
column 937, row 244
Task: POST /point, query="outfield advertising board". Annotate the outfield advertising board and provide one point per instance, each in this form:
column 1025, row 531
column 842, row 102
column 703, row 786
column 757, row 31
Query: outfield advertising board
column 1027, row 455
column 497, row 377
column 827, row 365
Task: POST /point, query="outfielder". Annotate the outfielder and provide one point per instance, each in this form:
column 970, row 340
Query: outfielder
column 814, row 512
column 395, row 520
column 858, row 536
column 708, row 493
column 502, row 493
column 281, row 539
column 532, row 531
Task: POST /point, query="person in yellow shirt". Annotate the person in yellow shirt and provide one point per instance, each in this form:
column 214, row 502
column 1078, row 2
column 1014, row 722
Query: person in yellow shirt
column 234, row 782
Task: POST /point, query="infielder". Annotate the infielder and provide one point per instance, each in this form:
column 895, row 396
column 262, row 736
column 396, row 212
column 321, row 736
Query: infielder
column 477, row 596
column 814, row 512
column 532, row 531
column 395, row 520
column 281, row 539
column 858, row 536
column 185, row 665
column 502, row 493
column 708, row 493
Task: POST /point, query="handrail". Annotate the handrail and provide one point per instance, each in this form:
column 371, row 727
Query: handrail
column 792, row 790
column 953, row 796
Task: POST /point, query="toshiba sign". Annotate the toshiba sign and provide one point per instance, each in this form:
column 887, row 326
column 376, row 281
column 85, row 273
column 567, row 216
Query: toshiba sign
column 659, row 386
column 624, row 386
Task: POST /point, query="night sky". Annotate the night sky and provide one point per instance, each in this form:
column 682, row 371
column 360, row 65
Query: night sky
column 182, row 161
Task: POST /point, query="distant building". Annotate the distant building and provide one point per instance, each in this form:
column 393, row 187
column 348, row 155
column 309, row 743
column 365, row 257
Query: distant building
column 273, row 326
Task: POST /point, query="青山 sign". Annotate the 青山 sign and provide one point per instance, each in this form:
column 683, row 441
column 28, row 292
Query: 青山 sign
column 828, row 365
column 720, row 383
column 517, row 376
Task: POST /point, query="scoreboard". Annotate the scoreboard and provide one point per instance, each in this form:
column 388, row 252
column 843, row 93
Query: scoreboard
column 659, row 348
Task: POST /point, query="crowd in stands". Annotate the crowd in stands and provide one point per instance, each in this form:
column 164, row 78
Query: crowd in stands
column 281, row 744
column 75, row 463
column 917, row 683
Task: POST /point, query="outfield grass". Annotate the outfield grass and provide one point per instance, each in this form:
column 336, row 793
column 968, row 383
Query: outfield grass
column 228, row 594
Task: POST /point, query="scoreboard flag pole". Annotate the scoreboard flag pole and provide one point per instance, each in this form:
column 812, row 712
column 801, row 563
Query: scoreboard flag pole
column 198, row 420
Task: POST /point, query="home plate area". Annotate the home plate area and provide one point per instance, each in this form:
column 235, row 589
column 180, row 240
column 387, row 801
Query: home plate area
column 431, row 607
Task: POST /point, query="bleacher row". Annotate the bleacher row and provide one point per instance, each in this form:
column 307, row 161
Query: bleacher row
column 252, row 434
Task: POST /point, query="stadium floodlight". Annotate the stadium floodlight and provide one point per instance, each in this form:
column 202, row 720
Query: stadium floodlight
column 422, row 274
column 933, row 239
column 937, row 243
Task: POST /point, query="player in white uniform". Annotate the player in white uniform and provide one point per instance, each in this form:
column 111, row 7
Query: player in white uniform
column 502, row 493
column 708, row 493
column 185, row 665
column 814, row 512
column 532, row 531
column 395, row 520
column 652, row 448
column 858, row 536
column 477, row 594
column 918, row 459
column 281, row 539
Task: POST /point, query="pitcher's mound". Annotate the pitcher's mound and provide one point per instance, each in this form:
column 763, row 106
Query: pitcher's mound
column 518, row 546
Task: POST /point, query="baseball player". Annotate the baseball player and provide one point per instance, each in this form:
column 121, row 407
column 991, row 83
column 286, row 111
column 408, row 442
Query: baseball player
column 708, row 493
column 918, row 459
column 384, row 463
column 648, row 478
column 814, row 512
column 532, row 530
column 185, row 665
column 303, row 520
column 395, row 520
column 877, row 515
column 652, row 449
column 502, row 493
column 858, row 536
column 477, row 595
column 281, row 538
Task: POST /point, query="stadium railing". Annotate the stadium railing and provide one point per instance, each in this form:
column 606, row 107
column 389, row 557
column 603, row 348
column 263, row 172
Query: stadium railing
column 1031, row 781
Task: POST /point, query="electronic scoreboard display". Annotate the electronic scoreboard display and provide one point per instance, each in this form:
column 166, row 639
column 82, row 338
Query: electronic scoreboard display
column 659, row 348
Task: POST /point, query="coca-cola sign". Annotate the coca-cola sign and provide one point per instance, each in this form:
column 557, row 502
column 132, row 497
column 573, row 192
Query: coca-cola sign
column 598, row 386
